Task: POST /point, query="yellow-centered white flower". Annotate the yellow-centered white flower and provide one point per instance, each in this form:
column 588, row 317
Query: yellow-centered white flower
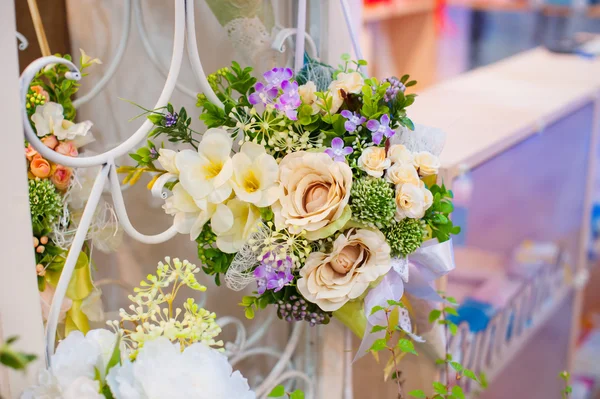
column 166, row 158
column 412, row 201
column 255, row 175
column 244, row 218
column 206, row 174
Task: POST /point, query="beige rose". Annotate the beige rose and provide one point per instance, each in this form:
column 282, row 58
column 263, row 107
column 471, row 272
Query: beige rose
column 358, row 258
column 373, row 161
column 314, row 193
column 412, row 201
column 352, row 82
column 308, row 96
column 398, row 153
column 402, row 173
column 427, row 163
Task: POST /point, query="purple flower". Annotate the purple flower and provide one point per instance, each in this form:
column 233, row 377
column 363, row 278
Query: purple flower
column 380, row 128
column 396, row 86
column 337, row 151
column 354, row 120
column 290, row 93
column 273, row 275
column 171, row 119
column 262, row 94
column 276, row 76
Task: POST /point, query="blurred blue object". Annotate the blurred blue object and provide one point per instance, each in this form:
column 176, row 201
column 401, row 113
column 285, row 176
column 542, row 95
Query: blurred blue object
column 476, row 313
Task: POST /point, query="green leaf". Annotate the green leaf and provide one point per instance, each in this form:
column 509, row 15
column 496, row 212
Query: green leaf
column 115, row 358
column 297, row 394
column 440, row 388
column 453, row 328
column 417, row 393
column 376, row 309
column 277, row 392
column 362, row 62
column 451, row 311
column 249, row 313
column 377, row 329
column 457, row 366
column 378, row 345
column 483, row 380
column 470, row 374
column 156, row 119
column 407, row 346
column 458, row 393
column 391, row 302
column 452, row 300
column 434, row 315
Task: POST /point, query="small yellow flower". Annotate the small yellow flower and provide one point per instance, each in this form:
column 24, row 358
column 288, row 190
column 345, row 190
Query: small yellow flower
column 87, row 61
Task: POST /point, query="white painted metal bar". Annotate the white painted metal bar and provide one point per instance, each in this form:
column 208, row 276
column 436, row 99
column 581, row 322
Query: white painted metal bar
column 300, row 35
column 352, row 32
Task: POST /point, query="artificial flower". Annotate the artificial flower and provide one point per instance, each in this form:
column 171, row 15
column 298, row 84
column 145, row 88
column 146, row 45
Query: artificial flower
column 398, row 153
column 67, row 148
column 40, row 167
column 309, row 97
column 50, row 141
column 171, row 119
column 358, row 258
column 167, row 159
column 77, row 364
column 400, row 173
column 337, row 151
column 263, row 94
column 349, row 83
column 244, row 217
column 273, row 274
column 427, row 163
column 314, row 192
column 68, row 130
column 289, row 101
column 380, row 128
column 255, row 175
column 61, row 177
column 373, row 161
column 412, row 201
column 205, row 174
column 396, row 86
column 162, row 370
column 87, row 60
column 46, row 297
column 354, row 120
column 40, row 90
column 30, row 152
column 47, row 118
column 277, row 76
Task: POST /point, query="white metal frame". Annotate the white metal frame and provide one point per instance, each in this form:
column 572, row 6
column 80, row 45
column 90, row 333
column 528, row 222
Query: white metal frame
column 184, row 29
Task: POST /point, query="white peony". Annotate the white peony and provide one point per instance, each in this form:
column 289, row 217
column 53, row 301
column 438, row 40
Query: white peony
column 74, row 367
column 161, row 370
column 206, row 174
column 255, row 175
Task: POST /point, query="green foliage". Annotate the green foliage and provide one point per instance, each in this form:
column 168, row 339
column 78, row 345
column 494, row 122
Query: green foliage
column 437, row 216
column 279, row 392
column 215, row 262
column 12, row 358
column 45, row 204
column 372, row 202
column 566, row 392
column 179, row 132
column 404, row 237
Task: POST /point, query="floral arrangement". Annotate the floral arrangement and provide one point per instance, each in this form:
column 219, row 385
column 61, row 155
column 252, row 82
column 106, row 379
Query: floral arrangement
column 315, row 192
column 58, row 193
column 169, row 352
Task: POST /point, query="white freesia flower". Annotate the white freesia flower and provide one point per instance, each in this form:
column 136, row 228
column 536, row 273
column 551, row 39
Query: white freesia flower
column 47, row 118
column 255, row 175
column 427, row 163
column 162, row 371
column 205, row 174
column 75, row 365
column 191, row 214
column 412, row 201
column 398, row 153
column 245, row 218
column 166, row 158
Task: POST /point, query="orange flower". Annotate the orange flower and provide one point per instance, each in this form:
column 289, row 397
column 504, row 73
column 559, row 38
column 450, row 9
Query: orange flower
column 30, row 152
column 67, row 148
column 62, row 177
column 40, row 167
column 50, row 141
column 40, row 90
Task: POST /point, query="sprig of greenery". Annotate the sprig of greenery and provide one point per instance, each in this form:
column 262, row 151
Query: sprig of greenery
column 566, row 377
column 279, row 392
column 12, row 358
column 437, row 216
column 215, row 262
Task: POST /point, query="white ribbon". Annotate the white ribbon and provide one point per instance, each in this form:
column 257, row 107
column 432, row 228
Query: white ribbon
column 413, row 275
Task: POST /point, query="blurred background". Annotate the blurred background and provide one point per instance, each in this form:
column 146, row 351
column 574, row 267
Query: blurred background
column 515, row 85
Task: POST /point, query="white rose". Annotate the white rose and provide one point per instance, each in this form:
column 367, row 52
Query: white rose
column 398, row 153
column 427, row 163
column 358, row 258
column 352, row 82
column 166, row 158
column 162, row 370
column 309, row 97
column 412, row 201
column 373, row 161
column 402, row 173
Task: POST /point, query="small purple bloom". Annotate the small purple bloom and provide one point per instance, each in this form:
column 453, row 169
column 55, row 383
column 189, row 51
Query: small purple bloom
column 262, row 94
column 170, row 119
column 380, row 128
column 337, row 151
column 290, row 93
column 276, row 76
column 279, row 280
column 354, row 120
column 396, row 86
column 273, row 275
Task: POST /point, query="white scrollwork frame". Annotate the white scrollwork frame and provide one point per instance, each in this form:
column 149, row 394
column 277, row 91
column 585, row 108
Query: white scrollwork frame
column 184, row 30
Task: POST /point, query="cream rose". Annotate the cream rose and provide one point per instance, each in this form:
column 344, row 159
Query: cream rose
column 314, row 194
column 308, row 96
column 402, row 173
column 373, row 161
column 427, row 163
column 398, row 153
column 412, row 201
column 358, row 258
column 348, row 82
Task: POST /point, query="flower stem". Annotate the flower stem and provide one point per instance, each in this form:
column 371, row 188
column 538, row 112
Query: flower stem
column 389, row 332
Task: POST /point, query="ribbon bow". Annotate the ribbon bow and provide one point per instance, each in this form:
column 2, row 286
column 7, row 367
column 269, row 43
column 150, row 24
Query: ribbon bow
column 414, row 275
